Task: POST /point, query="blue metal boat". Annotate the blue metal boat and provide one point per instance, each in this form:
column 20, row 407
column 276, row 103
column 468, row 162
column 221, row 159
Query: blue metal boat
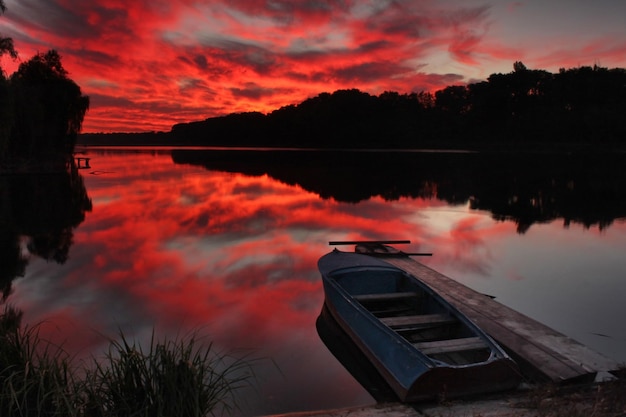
column 419, row 343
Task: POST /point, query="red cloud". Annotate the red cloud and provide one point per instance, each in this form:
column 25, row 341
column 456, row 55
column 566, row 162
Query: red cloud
column 151, row 64
column 148, row 65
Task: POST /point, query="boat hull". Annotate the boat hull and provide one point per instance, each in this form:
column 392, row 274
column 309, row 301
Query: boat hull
column 351, row 281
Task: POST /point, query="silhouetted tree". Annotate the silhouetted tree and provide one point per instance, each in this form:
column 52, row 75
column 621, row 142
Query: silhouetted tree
column 6, row 47
column 453, row 99
column 49, row 108
column 6, row 44
column 5, row 115
column 592, row 101
column 513, row 104
column 452, row 106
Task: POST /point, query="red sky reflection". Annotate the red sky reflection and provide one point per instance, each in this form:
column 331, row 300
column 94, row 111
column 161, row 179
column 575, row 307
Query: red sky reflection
column 149, row 64
column 176, row 248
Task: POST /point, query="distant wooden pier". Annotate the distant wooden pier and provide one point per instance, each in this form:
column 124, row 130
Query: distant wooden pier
column 82, row 162
column 543, row 354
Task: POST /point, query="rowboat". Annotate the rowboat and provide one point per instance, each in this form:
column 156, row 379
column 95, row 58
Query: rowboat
column 421, row 345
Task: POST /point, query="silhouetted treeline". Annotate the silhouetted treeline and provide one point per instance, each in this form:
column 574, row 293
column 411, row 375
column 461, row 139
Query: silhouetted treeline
column 41, row 112
column 579, row 106
column 522, row 187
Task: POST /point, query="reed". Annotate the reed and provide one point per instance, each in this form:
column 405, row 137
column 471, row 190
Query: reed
column 178, row 377
column 183, row 377
column 36, row 376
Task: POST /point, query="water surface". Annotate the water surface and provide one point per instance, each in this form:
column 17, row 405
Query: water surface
column 228, row 243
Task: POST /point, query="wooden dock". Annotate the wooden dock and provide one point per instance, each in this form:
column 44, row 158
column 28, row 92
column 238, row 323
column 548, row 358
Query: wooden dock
column 82, row 162
column 542, row 353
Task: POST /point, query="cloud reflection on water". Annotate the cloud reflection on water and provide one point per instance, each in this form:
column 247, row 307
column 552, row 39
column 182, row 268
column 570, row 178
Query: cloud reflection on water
column 176, row 247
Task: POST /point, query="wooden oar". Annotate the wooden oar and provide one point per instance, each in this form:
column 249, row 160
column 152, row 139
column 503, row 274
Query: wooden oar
column 369, row 242
column 381, row 244
column 399, row 253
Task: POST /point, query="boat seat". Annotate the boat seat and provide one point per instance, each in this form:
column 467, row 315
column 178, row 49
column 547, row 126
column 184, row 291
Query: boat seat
column 451, row 345
column 392, row 296
column 418, row 320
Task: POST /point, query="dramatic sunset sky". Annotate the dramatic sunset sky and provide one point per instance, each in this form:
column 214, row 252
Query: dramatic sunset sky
column 148, row 64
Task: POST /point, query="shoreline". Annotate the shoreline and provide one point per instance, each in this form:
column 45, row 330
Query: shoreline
column 600, row 399
column 530, row 148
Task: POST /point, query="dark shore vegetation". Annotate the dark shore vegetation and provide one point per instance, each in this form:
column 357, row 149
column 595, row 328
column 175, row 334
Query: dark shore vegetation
column 41, row 112
column 183, row 377
column 574, row 109
column 605, row 399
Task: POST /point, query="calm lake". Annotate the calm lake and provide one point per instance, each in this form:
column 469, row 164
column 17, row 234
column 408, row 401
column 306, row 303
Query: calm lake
column 227, row 243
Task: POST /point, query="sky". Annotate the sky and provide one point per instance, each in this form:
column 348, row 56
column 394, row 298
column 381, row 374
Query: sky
column 148, row 64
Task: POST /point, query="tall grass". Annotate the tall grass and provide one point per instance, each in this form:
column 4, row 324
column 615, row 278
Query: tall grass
column 36, row 376
column 177, row 377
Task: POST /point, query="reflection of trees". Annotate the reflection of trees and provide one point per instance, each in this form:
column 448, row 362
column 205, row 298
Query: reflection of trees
column 524, row 188
column 37, row 216
column 11, row 259
column 6, row 47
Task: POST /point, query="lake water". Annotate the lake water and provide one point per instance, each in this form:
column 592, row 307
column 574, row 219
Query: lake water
column 227, row 242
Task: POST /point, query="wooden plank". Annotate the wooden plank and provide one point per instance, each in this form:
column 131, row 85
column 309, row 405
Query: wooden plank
column 392, row 296
column 418, row 320
column 541, row 352
column 451, row 345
